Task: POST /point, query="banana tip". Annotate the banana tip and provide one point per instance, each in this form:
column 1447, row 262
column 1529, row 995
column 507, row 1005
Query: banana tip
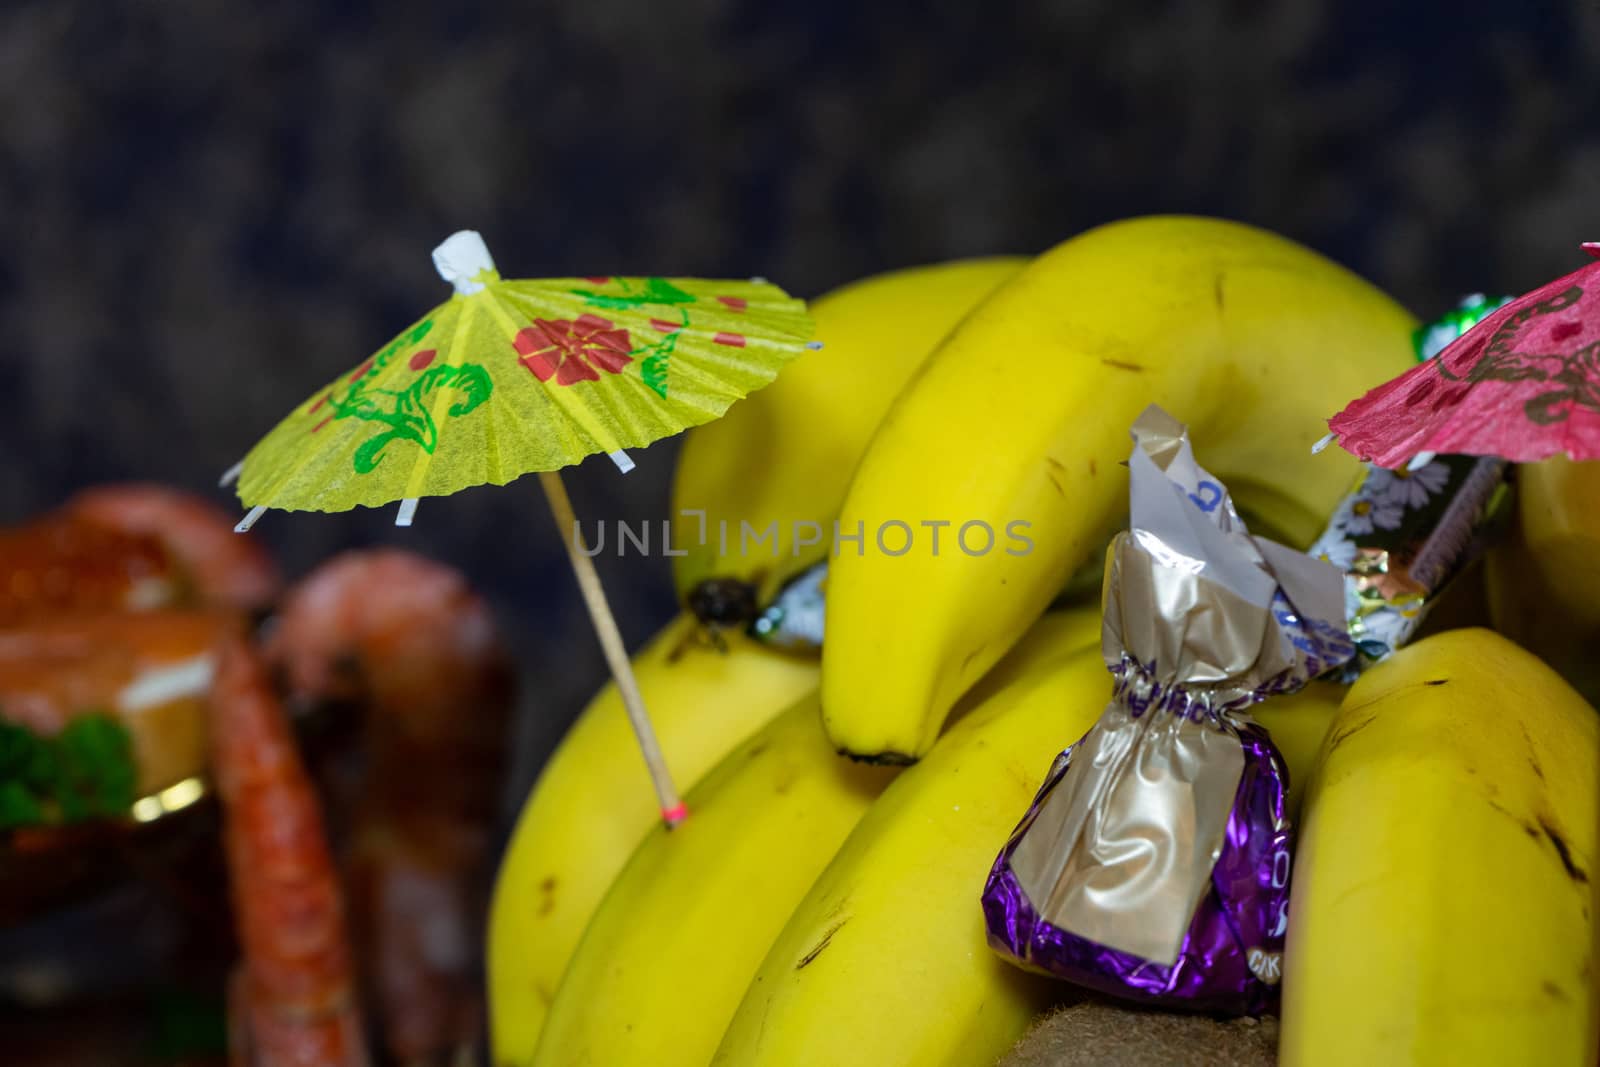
column 880, row 759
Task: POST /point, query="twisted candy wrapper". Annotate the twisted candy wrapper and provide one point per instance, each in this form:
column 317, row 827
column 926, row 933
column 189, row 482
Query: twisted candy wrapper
column 1154, row 862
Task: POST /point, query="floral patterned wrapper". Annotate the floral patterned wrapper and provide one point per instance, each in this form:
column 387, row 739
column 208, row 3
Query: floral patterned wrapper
column 1154, row 862
column 1401, row 535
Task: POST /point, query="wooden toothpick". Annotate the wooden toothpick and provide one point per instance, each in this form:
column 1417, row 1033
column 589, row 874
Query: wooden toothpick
column 605, row 625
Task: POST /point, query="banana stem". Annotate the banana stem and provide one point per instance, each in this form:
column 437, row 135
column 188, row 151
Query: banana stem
column 605, row 626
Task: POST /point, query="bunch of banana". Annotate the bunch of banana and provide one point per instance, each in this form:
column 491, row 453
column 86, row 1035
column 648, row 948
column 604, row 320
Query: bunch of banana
column 885, row 961
column 676, row 937
column 695, row 908
column 1544, row 578
column 784, row 455
column 1442, row 906
column 819, row 909
column 592, row 805
column 1013, row 433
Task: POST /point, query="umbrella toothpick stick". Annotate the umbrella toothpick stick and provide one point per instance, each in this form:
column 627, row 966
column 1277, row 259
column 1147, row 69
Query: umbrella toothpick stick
column 605, row 625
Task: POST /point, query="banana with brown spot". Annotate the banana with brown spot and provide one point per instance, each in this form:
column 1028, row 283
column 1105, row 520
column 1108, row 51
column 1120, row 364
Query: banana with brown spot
column 1441, row 908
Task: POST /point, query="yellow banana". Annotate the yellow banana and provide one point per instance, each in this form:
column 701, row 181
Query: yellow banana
column 1544, row 578
column 885, row 961
column 1298, row 723
column 678, row 937
column 1021, row 417
column 1440, row 908
column 1058, row 634
column 592, row 805
column 784, row 455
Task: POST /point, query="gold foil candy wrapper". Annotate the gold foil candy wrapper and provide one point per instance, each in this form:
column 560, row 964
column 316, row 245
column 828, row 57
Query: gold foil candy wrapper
column 1203, row 605
column 1109, row 880
column 1122, row 851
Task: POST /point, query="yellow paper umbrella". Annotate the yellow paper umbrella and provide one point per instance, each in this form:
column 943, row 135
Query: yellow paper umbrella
column 514, row 377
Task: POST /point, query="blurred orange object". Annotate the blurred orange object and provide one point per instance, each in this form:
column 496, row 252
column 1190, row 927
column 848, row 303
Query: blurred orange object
column 136, row 603
column 151, row 671
column 61, row 564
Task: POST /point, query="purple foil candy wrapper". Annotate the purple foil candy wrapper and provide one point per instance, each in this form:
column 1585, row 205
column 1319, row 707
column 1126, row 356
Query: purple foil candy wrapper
column 1230, row 959
column 1154, row 862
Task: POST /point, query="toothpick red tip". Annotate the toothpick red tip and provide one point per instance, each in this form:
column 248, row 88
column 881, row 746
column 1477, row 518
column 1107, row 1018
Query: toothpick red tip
column 676, row 815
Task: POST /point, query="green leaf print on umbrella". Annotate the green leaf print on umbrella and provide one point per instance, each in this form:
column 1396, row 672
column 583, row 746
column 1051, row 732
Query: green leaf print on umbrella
column 407, row 416
column 653, row 291
column 657, row 357
column 404, row 411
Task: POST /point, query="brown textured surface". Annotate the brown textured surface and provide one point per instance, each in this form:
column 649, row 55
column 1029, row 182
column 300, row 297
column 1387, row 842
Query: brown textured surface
column 1098, row 1034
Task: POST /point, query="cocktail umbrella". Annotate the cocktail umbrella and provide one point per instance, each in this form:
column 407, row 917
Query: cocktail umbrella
column 513, row 377
column 1523, row 385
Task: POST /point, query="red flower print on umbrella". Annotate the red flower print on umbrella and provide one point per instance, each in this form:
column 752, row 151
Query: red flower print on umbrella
column 573, row 350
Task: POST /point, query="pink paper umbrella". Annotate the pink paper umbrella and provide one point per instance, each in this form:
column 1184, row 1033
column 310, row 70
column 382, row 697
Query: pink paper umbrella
column 1523, row 384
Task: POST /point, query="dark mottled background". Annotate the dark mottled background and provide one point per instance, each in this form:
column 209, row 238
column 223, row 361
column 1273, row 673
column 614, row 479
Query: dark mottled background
column 206, row 209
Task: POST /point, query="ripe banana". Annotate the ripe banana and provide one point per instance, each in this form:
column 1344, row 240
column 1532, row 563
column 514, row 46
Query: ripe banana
column 885, row 961
column 1021, row 417
column 676, row 938
column 592, row 805
column 1440, row 908
column 1298, row 723
column 784, row 455
column 1057, row 635
column 1544, row 578
column 695, row 909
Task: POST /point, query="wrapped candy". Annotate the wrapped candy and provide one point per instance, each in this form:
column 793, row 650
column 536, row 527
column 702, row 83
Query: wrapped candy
column 1401, row 535
column 1435, row 337
column 1154, row 861
column 794, row 620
